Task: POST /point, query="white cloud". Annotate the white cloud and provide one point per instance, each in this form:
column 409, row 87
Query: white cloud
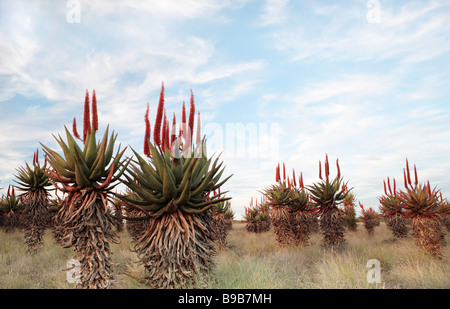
column 274, row 12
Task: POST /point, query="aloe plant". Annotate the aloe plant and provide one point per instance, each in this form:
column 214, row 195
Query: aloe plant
column 327, row 196
column 87, row 174
column 35, row 183
column 424, row 206
column 173, row 186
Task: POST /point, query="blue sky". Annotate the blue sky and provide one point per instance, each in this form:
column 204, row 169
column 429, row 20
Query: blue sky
column 367, row 82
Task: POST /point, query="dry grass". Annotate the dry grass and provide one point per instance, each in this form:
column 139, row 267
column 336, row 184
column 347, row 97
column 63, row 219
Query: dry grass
column 250, row 261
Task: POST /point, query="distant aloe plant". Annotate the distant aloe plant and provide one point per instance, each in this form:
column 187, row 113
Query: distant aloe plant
column 327, row 196
column 424, row 206
column 392, row 210
column 34, row 182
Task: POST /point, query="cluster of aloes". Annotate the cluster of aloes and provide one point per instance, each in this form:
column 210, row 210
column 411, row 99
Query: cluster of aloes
column 173, row 187
column 171, row 193
column 326, row 197
column 34, row 182
column 370, row 219
column 392, row 210
column 257, row 217
column 291, row 211
column 425, row 207
column 222, row 222
column 10, row 210
column 349, row 210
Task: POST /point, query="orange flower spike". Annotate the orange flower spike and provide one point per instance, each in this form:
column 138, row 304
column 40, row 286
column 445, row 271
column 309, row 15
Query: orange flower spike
column 94, row 112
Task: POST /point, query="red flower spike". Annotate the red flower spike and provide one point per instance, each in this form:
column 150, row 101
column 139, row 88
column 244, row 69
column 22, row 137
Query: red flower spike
column 159, row 118
column 94, row 112
column 74, row 129
column 404, row 178
column 301, row 180
column 199, row 137
column 361, row 205
column 86, row 117
column 408, row 173
column 173, row 136
column 284, row 172
column 384, row 183
column 183, row 118
column 428, row 184
column 191, row 116
column 416, row 179
column 338, row 169
column 167, row 133
column 164, row 131
column 288, row 182
column 147, row 132
column 293, row 178
column 277, row 173
column 389, row 185
column 320, row 170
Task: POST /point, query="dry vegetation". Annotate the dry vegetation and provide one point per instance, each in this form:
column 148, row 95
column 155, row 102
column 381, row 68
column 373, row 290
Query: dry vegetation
column 249, row 261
